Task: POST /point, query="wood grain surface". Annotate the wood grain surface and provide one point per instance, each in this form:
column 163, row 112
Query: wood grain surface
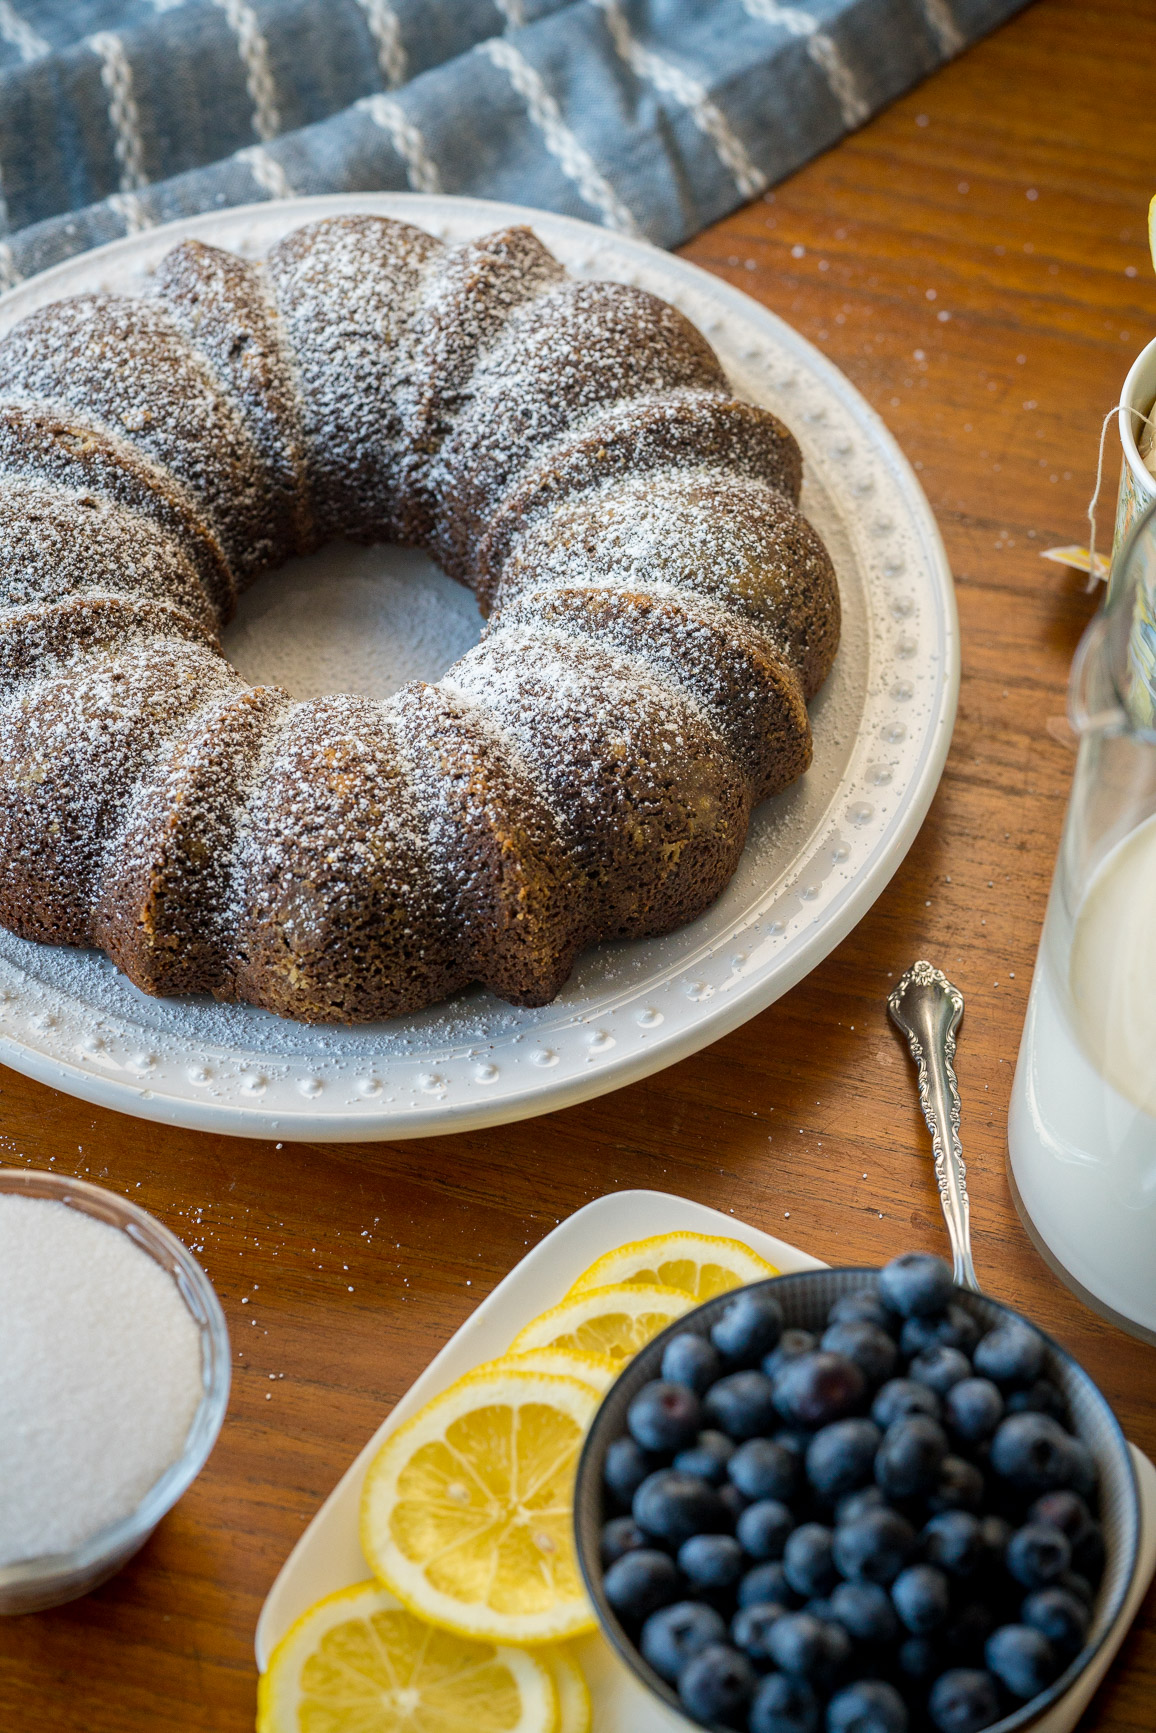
column 975, row 259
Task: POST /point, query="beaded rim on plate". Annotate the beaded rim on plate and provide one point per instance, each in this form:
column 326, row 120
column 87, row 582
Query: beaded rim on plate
column 34, row 1584
column 805, row 1296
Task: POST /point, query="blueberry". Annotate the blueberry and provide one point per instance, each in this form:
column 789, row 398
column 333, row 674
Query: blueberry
column 750, row 1326
column 784, row 1705
column 862, row 1306
column 1058, row 1616
column 871, row 1348
column 922, row 1598
column 766, row 1583
column 865, row 1612
column 916, row 1285
column 1033, row 1452
column 960, row 1486
column 807, row 1648
column 717, row 1685
column 875, row 1547
column 964, row 1700
column 664, row 1417
column 954, row 1541
column 867, row 1706
column 620, row 1536
column 760, row 1468
column 1065, row 1511
column 856, row 1504
column 796, row 1439
column 793, row 1344
column 672, row 1506
column 1022, row 1660
column 818, row 1388
column 1042, row 1397
column 908, row 1460
column 1078, row 1586
column 733, row 1500
column 1083, row 1474
column 1011, row 1355
column 639, row 1583
column 973, row 1409
column 920, row 1659
column 675, row 1635
column 841, row 1457
column 940, row 1368
column 900, row 1399
column 625, row 1469
column 751, row 1627
column 954, row 1328
column 691, row 1360
column 707, row 1457
column 711, row 1563
column 1037, row 1554
column 808, row 1560
column 743, row 1405
column 763, row 1528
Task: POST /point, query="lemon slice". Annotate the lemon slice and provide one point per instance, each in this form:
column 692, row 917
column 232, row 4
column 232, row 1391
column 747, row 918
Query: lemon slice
column 360, row 1662
column 597, row 1370
column 466, row 1513
column 575, row 1711
column 1152, row 230
column 700, row 1264
column 616, row 1320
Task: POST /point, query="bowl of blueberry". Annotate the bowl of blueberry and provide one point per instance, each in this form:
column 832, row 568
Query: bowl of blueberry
column 856, row 1501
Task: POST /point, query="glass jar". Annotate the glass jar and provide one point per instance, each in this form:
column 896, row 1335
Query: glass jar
column 1082, row 1123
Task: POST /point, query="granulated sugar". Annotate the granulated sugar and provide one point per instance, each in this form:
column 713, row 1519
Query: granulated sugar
column 100, row 1376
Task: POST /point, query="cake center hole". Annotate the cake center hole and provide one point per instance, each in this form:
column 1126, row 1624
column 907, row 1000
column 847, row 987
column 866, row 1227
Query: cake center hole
column 351, row 619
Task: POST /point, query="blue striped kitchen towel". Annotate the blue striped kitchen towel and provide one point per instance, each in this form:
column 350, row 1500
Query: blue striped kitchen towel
column 651, row 116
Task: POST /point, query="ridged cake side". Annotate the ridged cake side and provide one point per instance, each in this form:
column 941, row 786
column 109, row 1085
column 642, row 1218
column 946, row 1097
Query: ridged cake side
column 659, row 614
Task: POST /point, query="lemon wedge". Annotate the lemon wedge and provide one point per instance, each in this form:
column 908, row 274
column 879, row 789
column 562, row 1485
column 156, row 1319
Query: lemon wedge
column 466, row 1513
column 360, row 1662
column 702, row 1265
column 597, row 1370
column 575, row 1711
column 616, row 1320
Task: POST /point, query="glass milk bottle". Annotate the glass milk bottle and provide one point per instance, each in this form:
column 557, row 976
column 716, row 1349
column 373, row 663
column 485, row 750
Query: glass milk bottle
column 1082, row 1125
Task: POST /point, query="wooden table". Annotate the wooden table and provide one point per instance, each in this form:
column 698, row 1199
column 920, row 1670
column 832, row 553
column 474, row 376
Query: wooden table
column 975, row 259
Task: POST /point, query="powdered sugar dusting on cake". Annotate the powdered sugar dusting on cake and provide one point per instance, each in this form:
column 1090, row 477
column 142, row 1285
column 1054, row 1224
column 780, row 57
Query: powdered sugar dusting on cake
column 586, row 771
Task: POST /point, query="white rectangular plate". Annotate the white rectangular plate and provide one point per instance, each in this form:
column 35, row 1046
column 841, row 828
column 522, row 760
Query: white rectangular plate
column 328, row 1556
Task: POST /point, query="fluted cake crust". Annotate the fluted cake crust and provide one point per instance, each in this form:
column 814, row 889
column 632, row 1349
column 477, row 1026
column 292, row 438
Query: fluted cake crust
column 659, row 614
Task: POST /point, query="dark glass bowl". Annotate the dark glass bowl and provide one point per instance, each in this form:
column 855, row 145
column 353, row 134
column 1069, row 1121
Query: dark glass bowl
column 805, row 1298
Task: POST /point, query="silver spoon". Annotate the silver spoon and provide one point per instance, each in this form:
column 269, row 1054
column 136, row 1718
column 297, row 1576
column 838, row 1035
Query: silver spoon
column 927, row 1008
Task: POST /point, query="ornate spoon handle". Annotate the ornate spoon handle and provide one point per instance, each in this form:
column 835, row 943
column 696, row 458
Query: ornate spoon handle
column 928, row 1008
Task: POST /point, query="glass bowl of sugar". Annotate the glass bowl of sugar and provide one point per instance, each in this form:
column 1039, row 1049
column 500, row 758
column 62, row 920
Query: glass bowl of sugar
column 114, row 1379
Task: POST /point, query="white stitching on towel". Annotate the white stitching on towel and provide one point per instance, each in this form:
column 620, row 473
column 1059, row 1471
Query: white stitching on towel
column 21, row 35
column 672, row 81
column 123, row 114
column 822, row 49
column 385, row 29
column 266, row 171
column 573, row 158
column 420, row 168
column 130, row 210
column 943, row 26
column 254, row 52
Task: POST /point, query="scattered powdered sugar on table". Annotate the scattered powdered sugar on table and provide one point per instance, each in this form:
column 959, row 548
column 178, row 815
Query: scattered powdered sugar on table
column 100, row 1376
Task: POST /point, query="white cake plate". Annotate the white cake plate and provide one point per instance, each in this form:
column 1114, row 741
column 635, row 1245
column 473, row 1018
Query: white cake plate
column 328, row 1555
column 817, row 856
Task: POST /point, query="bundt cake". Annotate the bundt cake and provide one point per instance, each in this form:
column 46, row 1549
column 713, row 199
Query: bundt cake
column 658, row 610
